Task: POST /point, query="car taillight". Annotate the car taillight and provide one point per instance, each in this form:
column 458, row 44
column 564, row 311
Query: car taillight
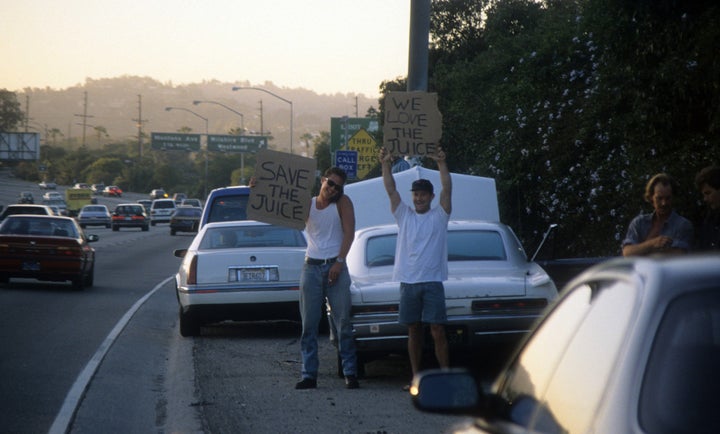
column 69, row 251
column 192, row 271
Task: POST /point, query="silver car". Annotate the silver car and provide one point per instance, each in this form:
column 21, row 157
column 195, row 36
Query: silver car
column 493, row 292
column 631, row 346
column 239, row 270
column 94, row 215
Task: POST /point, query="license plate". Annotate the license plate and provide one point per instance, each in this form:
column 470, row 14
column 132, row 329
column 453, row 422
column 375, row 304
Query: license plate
column 128, row 218
column 31, row 266
column 257, row 274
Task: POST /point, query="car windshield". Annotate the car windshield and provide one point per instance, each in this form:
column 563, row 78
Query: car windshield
column 38, row 226
column 252, row 236
column 471, row 245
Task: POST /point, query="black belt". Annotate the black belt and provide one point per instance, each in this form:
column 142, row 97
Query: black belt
column 313, row 261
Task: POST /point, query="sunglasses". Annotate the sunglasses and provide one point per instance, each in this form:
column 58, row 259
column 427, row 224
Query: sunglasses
column 334, row 184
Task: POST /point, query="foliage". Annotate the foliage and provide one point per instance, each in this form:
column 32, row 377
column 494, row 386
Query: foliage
column 10, row 113
column 572, row 105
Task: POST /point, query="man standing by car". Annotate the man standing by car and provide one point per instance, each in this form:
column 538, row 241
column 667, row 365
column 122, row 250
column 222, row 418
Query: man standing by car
column 662, row 231
column 707, row 230
column 421, row 258
column 330, row 231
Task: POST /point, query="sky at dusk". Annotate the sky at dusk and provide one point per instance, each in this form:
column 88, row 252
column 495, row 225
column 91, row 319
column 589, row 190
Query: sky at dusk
column 327, row 46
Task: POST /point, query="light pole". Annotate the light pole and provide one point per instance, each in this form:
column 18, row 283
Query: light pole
column 206, row 139
column 242, row 116
column 280, row 98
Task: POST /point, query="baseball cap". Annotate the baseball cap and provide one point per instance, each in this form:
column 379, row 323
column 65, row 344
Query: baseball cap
column 422, row 185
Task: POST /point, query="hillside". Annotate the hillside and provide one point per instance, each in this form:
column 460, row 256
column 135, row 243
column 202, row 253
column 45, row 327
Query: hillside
column 116, row 103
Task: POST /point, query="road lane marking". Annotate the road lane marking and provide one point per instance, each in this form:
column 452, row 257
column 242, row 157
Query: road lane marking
column 77, row 391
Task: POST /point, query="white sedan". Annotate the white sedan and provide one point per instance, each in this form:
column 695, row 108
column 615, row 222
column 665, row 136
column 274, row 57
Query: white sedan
column 242, row 271
column 493, row 292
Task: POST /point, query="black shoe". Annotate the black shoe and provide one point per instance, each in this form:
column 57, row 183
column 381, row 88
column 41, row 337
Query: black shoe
column 307, row 383
column 351, row 382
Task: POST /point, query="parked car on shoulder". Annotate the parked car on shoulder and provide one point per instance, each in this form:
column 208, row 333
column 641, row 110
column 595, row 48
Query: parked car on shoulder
column 94, row 215
column 158, row 193
column 130, row 215
column 25, row 197
column 112, row 190
column 161, row 210
column 185, row 219
column 47, row 248
column 47, row 185
column 631, row 346
column 493, row 292
column 239, row 270
column 32, row 209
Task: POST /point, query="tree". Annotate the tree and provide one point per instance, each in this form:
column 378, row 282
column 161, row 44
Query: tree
column 10, row 113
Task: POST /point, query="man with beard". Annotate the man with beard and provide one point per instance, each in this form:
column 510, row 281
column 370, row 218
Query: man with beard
column 662, row 231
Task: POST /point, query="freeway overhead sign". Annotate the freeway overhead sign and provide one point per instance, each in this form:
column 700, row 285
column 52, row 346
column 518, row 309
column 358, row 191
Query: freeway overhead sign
column 226, row 143
column 175, row 142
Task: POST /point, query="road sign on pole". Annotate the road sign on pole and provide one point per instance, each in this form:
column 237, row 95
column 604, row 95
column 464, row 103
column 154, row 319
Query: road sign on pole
column 175, row 142
column 347, row 161
column 227, row 143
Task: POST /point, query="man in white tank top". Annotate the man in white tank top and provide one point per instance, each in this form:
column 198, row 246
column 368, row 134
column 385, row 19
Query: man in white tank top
column 421, row 258
column 330, row 231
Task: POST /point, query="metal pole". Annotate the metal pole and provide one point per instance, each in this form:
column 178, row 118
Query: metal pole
column 280, row 98
column 419, row 37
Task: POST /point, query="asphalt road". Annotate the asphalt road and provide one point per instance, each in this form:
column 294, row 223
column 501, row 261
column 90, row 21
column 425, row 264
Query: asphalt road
column 110, row 359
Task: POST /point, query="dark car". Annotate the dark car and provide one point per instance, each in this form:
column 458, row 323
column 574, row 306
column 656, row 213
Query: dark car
column 185, row 219
column 130, row 215
column 158, row 193
column 631, row 346
column 97, row 188
column 47, row 248
column 226, row 204
column 25, row 197
column 25, row 209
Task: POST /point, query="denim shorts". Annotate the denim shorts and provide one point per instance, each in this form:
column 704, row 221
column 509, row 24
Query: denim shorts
column 422, row 302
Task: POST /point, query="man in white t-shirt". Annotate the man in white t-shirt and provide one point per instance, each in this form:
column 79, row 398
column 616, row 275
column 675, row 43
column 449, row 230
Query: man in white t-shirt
column 421, row 258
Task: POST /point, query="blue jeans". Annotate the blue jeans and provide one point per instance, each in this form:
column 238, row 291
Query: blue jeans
column 314, row 288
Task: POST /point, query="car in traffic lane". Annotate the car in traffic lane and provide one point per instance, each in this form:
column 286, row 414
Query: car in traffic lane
column 493, row 293
column 631, row 346
column 185, row 219
column 34, row 209
column 47, row 248
column 94, row 215
column 112, row 190
column 130, row 215
column 161, row 210
column 242, row 271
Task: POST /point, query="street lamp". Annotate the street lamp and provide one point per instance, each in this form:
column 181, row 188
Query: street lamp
column 242, row 117
column 206, row 138
column 280, row 98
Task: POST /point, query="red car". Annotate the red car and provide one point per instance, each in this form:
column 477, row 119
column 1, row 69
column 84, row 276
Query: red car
column 48, row 248
column 112, row 190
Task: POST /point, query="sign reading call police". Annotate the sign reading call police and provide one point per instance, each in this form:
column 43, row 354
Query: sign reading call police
column 283, row 189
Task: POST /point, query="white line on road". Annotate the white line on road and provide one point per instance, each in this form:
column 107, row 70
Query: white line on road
column 75, row 395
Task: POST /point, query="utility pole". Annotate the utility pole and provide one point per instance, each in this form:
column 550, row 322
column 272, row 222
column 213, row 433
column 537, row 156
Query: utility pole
column 85, row 117
column 418, row 58
column 139, row 122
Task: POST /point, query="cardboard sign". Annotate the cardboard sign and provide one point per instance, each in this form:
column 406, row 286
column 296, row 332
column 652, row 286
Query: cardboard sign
column 283, row 189
column 413, row 123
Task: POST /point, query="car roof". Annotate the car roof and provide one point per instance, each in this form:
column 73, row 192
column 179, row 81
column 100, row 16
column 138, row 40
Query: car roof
column 235, row 223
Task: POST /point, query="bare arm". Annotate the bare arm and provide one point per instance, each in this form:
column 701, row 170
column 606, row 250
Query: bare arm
column 388, row 180
column 659, row 244
column 347, row 218
column 445, row 180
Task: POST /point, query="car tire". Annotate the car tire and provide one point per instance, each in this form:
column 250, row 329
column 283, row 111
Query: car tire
column 78, row 283
column 4, row 279
column 146, row 228
column 152, row 223
column 83, row 226
column 172, row 231
column 90, row 277
column 107, row 226
column 189, row 325
column 115, row 228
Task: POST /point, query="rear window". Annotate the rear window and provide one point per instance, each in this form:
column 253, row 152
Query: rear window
column 188, row 212
column 462, row 246
column 164, row 204
column 252, row 236
column 228, row 208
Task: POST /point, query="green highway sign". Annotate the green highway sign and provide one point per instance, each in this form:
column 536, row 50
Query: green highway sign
column 226, row 143
column 175, row 142
column 343, row 128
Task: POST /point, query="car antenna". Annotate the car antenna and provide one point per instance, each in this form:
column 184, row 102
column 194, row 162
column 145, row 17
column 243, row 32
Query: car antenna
column 545, row 235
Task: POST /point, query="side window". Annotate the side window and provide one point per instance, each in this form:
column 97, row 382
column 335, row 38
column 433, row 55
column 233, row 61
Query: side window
column 380, row 250
column 583, row 332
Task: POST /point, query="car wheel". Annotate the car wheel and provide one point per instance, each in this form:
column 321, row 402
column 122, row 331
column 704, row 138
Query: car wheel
column 90, row 277
column 78, row 283
column 152, row 223
column 107, row 226
column 115, row 228
column 146, row 228
column 4, row 279
column 83, row 226
column 189, row 325
column 172, row 231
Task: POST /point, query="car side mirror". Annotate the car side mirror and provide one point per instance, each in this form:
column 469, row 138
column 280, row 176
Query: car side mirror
column 92, row 238
column 180, row 253
column 450, row 391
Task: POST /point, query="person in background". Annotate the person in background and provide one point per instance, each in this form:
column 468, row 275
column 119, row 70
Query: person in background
column 330, row 231
column 663, row 230
column 421, row 258
column 707, row 230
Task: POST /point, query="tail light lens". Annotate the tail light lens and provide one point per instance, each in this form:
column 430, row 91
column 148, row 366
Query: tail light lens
column 192, row 271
